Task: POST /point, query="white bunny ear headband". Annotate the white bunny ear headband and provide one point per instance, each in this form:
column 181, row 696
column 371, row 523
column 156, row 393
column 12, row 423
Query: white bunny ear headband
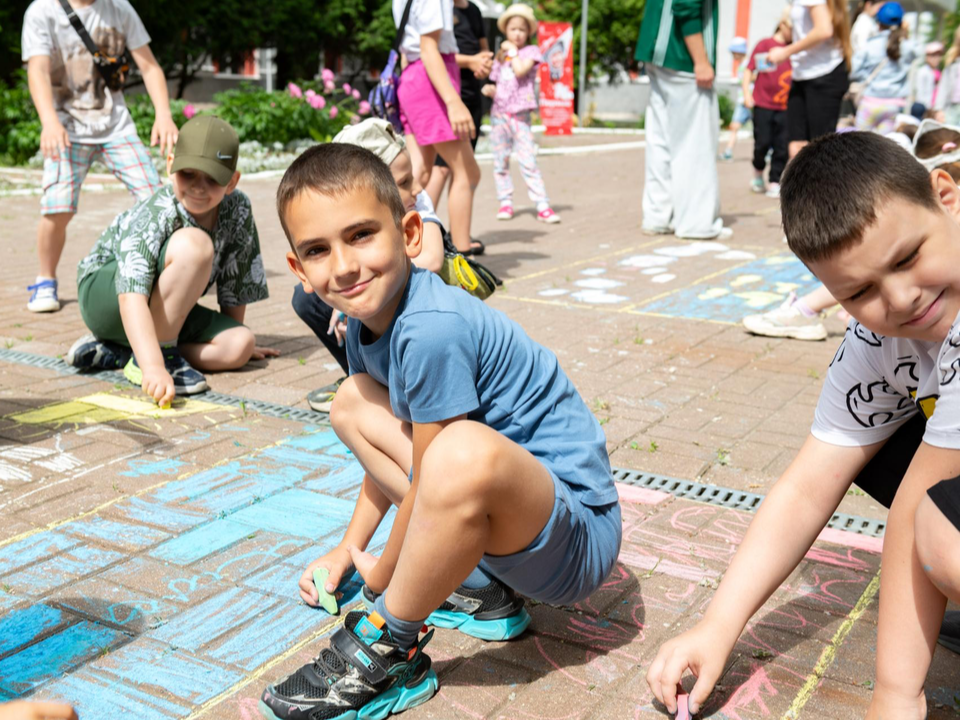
column 948, row 154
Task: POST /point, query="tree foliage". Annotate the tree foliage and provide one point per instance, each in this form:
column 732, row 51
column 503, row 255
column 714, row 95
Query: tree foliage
column 612, row 30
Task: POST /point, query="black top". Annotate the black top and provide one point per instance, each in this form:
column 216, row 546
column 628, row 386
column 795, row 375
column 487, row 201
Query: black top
column 468, row 29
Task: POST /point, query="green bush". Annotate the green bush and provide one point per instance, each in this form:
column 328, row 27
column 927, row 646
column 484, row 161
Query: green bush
column 727, row 106
column 19, row 124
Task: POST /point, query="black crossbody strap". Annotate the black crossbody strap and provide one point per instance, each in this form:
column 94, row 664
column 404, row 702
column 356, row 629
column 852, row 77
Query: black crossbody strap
column 78, row 26
column 403, row 24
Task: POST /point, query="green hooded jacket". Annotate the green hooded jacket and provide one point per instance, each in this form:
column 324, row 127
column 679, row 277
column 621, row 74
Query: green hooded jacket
column 667, row 22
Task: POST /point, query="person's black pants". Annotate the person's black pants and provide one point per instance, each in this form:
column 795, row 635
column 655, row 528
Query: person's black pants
column 316, row 314
column 770, row 133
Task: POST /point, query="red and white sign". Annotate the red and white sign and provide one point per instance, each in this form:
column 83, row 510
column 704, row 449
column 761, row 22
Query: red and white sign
column 556, row 77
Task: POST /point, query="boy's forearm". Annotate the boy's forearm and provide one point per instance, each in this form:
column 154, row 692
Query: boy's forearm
column 368, row 513
column 140, row 330
column 156, row 84
column 41, row 89
column 696, row 48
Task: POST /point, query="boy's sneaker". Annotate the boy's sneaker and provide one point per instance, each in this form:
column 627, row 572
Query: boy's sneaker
column 727, row 155
column 786, row 321
column 321, row 399
column 362, row 674
column 44, row 298
column 547, row 215
column 186, row 380
column 773, row 190
column 757, row 185
column 88, row 353
column 505, row 212
column 492, row 613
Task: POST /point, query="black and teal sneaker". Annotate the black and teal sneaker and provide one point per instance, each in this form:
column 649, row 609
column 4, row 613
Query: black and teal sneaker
column 491, row 613
column 186, row 379
column 88, row 353
column 363, row 674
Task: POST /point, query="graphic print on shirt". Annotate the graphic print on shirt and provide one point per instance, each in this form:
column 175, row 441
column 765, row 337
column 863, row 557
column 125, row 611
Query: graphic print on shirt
column 908, row 364
column 870, row 404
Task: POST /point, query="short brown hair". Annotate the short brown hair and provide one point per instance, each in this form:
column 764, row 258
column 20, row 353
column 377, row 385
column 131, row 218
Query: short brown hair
column 831, row 191
column 334, row 169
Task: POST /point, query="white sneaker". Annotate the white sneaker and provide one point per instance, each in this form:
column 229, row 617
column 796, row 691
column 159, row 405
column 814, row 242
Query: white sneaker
column 44, row 298
column 725, row 233
column 757, row 185
column 657, row 230
column 786, row 321
column 773, row 190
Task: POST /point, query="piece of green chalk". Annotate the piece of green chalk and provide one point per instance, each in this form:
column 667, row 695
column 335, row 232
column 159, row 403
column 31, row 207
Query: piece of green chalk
column 327, row 601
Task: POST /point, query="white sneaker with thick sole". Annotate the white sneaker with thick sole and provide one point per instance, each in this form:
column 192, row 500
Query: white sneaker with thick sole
column 44, row 298
column 786, row 322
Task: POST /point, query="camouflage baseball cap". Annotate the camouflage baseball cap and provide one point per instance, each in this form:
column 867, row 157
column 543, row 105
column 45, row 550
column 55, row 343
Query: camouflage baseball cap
column 208, row 144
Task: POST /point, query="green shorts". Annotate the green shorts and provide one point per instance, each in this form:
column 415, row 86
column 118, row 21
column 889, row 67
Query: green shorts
column 100, row 310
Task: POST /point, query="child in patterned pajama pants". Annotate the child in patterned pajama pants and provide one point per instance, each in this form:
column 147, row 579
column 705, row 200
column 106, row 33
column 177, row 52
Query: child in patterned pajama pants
column 511, row 133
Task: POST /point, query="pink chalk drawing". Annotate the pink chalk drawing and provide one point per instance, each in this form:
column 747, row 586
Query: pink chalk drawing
column 750, row 693
column 248, row 708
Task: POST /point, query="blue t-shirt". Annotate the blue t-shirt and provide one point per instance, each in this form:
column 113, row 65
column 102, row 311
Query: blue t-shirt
column 447, row 354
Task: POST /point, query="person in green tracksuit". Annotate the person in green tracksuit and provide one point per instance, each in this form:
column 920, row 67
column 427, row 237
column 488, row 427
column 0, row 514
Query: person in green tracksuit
column 678, row 46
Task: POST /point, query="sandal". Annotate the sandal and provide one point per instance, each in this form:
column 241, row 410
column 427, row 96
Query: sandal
column 476, row 248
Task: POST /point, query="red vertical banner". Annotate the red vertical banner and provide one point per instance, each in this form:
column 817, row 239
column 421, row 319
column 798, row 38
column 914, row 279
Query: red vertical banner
column 556, row 77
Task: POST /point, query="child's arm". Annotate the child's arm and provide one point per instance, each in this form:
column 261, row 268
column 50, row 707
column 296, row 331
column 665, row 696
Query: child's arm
column 804, row 499
column 142, row 334
column 53, row 136
column 164, row 129
column 32, row 710
column 377, row 573
column 822, row 30
column 368, row 513
column 911, row 607
column 460, row 119
column 748, row 77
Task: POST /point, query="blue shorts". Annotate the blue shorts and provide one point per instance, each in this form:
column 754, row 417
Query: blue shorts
column 570, row 558
column 741, row 114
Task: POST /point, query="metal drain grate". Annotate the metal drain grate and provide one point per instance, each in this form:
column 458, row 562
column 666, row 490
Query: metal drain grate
column 711, row 494
column 736, row 499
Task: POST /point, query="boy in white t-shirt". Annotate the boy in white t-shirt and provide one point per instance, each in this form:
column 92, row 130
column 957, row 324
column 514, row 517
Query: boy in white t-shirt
column 83, row 119
column 884, row 238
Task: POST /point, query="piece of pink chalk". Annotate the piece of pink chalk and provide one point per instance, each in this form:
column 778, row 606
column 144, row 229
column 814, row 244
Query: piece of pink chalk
column 683, row 711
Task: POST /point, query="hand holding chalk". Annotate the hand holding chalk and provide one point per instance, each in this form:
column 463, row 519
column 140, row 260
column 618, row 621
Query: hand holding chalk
column 327, row 601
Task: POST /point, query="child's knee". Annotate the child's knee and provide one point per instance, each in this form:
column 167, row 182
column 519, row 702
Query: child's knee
column 345, row 402
column 237, row 346
column 459, row 452
column 191, row 245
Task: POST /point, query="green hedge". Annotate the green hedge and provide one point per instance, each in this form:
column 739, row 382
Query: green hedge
column 268, row 118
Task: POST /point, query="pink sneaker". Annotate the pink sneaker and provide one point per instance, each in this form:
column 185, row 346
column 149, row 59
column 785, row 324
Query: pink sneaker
column 548, row 216
column 505, row 212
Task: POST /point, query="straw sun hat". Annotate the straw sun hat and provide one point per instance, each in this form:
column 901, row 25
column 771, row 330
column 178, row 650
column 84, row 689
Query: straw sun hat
column 518, row 10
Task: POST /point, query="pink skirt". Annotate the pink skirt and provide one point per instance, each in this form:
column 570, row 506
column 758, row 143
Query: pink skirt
column 424, row 114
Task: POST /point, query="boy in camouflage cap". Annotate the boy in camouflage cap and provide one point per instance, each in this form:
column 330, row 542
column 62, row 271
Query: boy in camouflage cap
column 139, row 286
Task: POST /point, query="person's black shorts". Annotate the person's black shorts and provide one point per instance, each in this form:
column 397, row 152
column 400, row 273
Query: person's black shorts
column 881, row 477
column 813, row 106
column 946, row 496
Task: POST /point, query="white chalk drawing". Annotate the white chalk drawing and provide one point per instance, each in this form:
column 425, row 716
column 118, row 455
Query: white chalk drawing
column 598, row 284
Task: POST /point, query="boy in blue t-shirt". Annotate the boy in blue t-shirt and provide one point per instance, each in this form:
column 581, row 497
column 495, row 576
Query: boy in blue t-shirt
column 498, row 468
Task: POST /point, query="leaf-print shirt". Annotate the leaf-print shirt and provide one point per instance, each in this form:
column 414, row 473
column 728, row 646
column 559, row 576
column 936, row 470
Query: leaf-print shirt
column 135, row 238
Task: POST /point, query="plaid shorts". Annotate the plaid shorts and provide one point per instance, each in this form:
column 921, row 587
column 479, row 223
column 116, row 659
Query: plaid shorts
column 126, row 158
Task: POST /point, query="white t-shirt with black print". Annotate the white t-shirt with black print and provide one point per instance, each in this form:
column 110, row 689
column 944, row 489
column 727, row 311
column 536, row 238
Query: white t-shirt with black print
column 426, row 16
column 89, row 111
column 877, row 383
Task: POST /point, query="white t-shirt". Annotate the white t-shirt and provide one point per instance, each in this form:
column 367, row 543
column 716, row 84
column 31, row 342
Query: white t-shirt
column 876, row 383
column 90, row 112
column 822, row 58
column 426, row 16
column 863, row 28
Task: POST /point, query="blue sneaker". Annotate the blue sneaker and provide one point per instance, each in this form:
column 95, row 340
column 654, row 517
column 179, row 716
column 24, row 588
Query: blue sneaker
column 493, row 613
column 186, row 380
column 88, row 353
column 44, row 298
column 362, row 674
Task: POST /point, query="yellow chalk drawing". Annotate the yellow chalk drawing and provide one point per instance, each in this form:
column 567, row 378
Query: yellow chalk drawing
column 741, row 280
column 780, row 260
column 103, row 408
column 759, row 298
column 713, row 293
column 785, row 288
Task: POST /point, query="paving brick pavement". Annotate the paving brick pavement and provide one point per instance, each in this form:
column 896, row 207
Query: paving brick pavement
column 148, row 559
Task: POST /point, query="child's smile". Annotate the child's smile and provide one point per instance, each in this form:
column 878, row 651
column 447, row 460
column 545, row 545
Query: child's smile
column 351, row 252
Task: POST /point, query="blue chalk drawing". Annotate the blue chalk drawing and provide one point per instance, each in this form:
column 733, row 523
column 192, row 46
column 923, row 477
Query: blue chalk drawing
column 55, row 655
column 201, row 542
column 101, row 698
column 31, row 549
column 174, row 520
column 125, row 535
column 141, row 467
column 753, row 288
column 22, row 627
column 297, row 512
column 52, row 573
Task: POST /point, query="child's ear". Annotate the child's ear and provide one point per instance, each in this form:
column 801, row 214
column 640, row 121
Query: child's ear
column 232, row 185
column 412, row 227
column 947, row 191
column 293, row 262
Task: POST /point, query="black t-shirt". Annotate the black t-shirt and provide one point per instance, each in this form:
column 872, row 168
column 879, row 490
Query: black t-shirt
column 468, row 29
